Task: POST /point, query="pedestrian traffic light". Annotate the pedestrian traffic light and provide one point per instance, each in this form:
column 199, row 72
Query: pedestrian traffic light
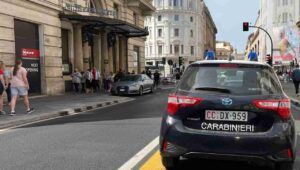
column 181, row 61
column 163, row 60
column 246, row 26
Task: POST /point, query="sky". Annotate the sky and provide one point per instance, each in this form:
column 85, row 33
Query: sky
column 229, row 16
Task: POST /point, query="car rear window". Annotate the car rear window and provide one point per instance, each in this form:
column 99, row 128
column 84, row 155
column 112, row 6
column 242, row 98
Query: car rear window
column 233, row 79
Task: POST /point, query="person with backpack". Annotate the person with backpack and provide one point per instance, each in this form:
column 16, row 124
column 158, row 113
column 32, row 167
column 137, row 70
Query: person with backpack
column 19, row 87
column 296, row 79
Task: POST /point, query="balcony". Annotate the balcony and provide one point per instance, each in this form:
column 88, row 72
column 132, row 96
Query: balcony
column 144, row 5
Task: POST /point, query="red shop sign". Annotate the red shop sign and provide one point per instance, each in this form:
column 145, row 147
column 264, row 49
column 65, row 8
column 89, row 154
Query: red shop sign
column 30, row 53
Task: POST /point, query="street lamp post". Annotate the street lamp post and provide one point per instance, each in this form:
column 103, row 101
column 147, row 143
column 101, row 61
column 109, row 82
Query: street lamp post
column 246, row 27
column 272, row 45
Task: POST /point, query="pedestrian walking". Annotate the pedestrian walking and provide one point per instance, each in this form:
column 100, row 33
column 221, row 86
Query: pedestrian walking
column 296, row 79
column 148, row 73
column 2, row 87
column 156, row 78
column 96, row 78
column 88, row 81
column 76, row 80
column 109, row 81
column 7, row 78
column 19, row 87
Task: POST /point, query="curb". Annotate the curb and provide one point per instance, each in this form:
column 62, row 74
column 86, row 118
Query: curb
column 295, row 102
column 66, row 112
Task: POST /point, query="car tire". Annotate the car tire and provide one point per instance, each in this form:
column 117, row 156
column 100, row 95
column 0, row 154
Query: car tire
column 151, row 89
column 141, row 91
column 170, row 163
column 284, row 166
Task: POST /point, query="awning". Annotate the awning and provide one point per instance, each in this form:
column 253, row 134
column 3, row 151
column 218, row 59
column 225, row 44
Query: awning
column 115, row 25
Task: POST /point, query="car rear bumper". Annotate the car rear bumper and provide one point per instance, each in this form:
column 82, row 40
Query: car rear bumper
column 273, row 145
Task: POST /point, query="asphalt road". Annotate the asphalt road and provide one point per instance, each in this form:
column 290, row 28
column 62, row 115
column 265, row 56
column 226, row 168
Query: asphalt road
column 101, row 139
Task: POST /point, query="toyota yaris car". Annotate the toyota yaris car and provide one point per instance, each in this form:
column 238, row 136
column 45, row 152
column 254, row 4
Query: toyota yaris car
column 229, row 110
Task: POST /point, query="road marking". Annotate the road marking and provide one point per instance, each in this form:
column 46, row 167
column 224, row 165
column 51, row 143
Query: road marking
column 140, row 155
column 2, row 131
column 153, row 163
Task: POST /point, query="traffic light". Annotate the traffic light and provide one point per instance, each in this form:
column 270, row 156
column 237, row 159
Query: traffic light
column 246, row 26
column 269, row 60
column 163, row 60
column 181, row 61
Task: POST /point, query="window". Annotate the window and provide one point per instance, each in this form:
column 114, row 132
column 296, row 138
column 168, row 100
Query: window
column 136, row 19
column 182, row 49
column 192, row 50
column 191, row 19
column 170, row 2
column 116, row 9
column 160, row 32
column 159, row 18
column 159, row 3
column 150, row 50
column 285, row 2
column 192, row 33
column 146, row 50
column 181, row 3
column 284, row 17
column 176, row 17
column 171, row 49
column 238, row 81
column 175, row 2
column 176, row 32
column 160, row 49
column 176, row 49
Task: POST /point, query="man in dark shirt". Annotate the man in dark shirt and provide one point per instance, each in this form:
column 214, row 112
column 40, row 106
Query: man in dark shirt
column 156, row 78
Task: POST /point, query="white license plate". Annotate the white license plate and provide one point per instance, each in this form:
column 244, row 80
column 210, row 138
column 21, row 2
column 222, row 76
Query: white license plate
column 122, row 89
column 235, row 116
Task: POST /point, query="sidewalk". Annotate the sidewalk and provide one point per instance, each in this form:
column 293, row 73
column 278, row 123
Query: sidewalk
column 55, row 106
column 290, row 91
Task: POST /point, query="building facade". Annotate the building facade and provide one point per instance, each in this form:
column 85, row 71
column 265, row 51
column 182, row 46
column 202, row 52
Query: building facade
column 53, row 37
column 279, row 18
column 223, row 50
column 178, row 28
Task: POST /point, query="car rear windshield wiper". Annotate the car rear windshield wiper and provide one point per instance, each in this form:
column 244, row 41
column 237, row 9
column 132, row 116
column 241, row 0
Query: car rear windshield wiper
column 213, row 89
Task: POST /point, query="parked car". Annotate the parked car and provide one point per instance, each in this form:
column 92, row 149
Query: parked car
column 133, row 84
column 229, row 110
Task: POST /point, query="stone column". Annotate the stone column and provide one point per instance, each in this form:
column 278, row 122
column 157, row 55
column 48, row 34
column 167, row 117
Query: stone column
column 117, row 48
column 122, row 56
column 97, row 52
column 110, row 59
column 104, row 51
column 86, row 56
column 78, row 53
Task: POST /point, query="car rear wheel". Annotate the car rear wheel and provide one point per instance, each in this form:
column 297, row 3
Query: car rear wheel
column 152, row 89
column 141, row 91
column 170, row 163
column 284, row 166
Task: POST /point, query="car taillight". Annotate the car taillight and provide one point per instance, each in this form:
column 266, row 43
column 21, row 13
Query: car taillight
column 283, row 107
column 176, row 102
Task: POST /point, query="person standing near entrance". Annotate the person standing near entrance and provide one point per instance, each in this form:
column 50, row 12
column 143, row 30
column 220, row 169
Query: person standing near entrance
column 2, row 87
column 76, row 80
column 19, row 87
column 296, row 79
column 96, row 79
column 7, row 78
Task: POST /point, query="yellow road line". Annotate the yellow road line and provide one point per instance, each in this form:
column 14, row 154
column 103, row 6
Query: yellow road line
column 153, row 163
